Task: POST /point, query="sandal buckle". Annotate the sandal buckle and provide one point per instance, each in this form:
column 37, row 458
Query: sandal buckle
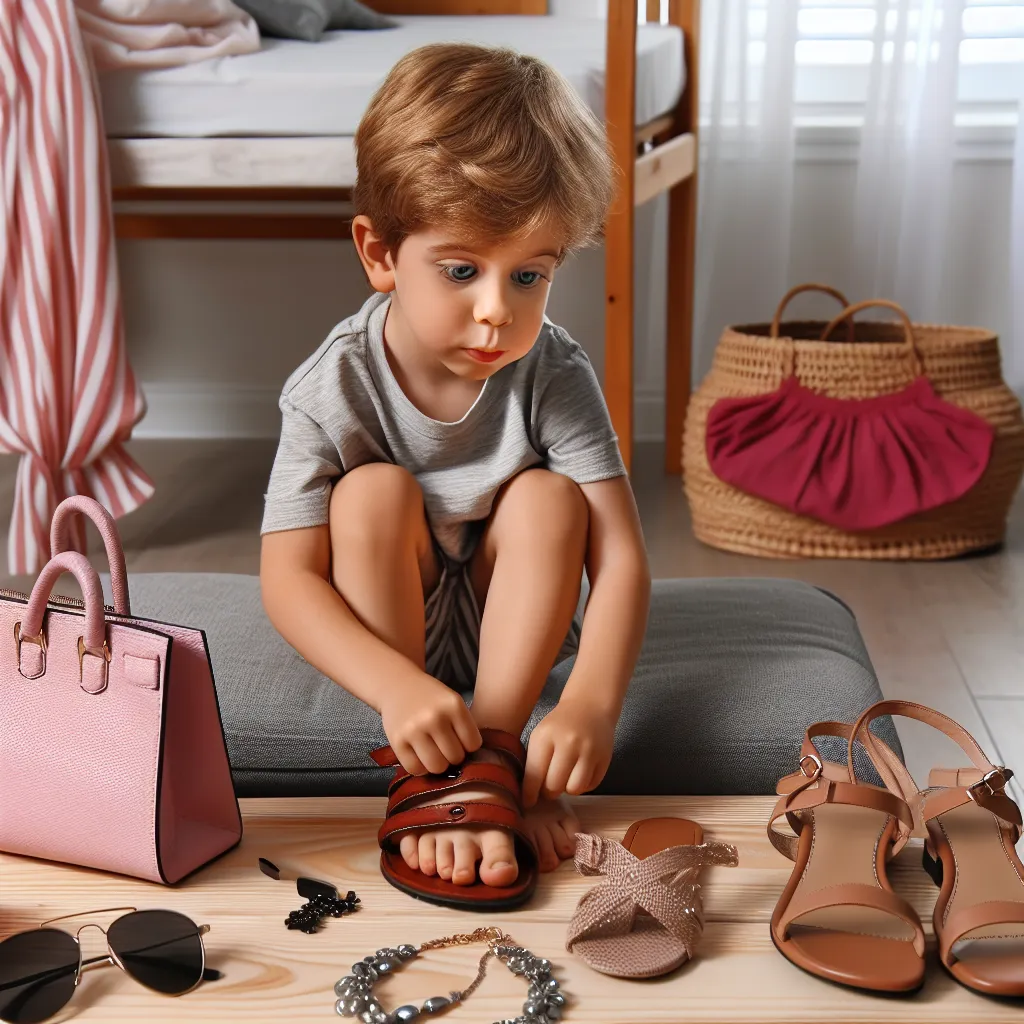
column 1002, row 775
column 815, row 771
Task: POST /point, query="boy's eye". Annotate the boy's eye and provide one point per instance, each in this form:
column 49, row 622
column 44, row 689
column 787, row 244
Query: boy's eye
column 459, row 273
column 526, row 278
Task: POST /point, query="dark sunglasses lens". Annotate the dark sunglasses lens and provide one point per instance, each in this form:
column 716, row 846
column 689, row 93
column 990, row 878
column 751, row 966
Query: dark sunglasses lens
column 37, row 974
column 310, row 888
column 160, row 949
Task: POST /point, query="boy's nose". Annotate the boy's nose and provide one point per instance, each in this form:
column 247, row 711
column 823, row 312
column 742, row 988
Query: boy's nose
column 493, row 309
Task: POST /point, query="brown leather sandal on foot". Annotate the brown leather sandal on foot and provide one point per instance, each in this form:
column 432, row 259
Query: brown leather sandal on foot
column 406, row 813
column 838, row 917
column 973, row 827
column 646, row 918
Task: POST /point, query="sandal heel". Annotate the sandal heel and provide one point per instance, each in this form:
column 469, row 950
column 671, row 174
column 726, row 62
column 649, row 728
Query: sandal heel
column 933, row 866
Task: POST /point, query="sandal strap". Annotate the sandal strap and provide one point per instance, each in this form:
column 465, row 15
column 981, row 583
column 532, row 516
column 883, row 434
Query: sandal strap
column 902, row 782
column 828, row 791
column 451, row 815
column 663, row 884
column 856, row 894
column 982, row 784
column 954, row 787
column 411, row 788
column 979, row 915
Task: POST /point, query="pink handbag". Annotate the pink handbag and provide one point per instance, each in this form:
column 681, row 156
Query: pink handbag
column 112, row 752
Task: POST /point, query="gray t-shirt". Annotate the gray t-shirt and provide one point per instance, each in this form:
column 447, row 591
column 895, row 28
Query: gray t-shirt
column 343, row 407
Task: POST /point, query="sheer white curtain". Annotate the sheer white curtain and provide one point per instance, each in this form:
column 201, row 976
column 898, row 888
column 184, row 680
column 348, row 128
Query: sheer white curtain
column 1013, row 351
column 905, row 169
column 900, row 241
column 746, row 183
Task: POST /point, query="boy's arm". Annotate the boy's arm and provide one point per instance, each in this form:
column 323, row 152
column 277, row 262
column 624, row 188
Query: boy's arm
column 570, row 750
column 422, row 717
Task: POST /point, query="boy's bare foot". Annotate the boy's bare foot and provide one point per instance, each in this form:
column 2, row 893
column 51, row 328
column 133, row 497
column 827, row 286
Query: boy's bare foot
column 453, row 853
column 552, row 826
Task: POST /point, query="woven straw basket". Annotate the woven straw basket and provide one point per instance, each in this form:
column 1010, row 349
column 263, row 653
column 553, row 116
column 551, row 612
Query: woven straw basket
column 963, row 366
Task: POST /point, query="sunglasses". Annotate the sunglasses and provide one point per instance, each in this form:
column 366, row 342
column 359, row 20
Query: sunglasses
column 40, row 969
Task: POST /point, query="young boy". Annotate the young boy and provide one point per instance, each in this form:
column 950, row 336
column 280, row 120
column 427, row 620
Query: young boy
column 447, row 466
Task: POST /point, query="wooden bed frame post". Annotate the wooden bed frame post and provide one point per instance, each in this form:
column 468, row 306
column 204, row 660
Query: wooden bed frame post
column 682, row 236
column 620, row 116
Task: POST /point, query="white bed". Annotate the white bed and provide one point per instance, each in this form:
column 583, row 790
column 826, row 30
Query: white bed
column 287, row 115
column 292, row 88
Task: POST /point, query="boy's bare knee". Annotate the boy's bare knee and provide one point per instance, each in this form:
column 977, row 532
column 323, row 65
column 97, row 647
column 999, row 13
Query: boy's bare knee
column 376, row 500
column 545, row 503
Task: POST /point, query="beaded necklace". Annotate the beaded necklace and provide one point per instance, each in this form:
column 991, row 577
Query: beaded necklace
column 544, row 1002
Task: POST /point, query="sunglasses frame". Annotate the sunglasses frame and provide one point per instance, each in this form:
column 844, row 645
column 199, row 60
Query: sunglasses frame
column 112, row 959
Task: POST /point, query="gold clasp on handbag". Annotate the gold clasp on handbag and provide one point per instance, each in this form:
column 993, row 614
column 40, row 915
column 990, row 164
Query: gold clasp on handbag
column 39, row 641
column 102, row 652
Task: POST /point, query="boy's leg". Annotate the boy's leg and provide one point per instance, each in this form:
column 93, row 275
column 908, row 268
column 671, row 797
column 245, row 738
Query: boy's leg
column 526, row 575
column 384, row 565
column 383, row 561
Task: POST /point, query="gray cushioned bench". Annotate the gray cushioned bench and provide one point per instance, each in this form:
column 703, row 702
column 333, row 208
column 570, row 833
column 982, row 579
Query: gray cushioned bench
column 731, row 673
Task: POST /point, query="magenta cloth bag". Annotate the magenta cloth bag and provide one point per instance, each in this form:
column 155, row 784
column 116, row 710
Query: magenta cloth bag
column 112, row 752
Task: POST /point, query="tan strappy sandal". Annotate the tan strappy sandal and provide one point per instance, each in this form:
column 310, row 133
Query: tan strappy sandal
column 645, row 919
column 838, row 917
column 973, row 826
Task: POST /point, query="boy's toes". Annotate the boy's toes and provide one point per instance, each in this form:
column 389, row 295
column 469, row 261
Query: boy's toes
column 408, row 847
column 498, row 860
column 565, row 842
column 547, row 858
column 445, row 858
column 467, row 852
column 426, row 853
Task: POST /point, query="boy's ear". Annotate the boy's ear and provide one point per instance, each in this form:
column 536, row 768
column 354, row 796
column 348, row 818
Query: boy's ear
column 373, row 254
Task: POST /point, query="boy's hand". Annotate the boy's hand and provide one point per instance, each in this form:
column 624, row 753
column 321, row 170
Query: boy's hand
column 428, row 725
column 569, row 752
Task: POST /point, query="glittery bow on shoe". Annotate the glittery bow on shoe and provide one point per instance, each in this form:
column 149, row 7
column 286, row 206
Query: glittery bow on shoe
column 646, row 918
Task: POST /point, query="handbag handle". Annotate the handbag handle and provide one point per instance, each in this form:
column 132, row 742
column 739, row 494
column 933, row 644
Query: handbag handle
column 811, row 286
column 908, row 327
column 80, row 567
column 104, row 521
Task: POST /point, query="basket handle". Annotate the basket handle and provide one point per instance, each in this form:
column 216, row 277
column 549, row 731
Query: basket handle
column 908, row 327
column 811, row 286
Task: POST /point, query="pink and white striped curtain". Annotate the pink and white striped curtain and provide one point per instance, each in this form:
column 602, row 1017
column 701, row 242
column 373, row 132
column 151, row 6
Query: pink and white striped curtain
column 68, row 399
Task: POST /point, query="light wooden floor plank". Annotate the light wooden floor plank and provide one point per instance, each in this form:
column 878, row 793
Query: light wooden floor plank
column 272, row 974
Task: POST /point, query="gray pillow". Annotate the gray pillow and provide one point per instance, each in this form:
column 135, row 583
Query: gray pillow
column 354, row 15
column 309, row 19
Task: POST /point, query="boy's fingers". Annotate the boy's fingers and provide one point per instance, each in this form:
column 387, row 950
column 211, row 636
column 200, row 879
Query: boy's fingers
column 538, row 757
column 408, row 760
column 579, row 777
column 448, row 743
column 467, row 731
column 562, row 764
column 431, row 757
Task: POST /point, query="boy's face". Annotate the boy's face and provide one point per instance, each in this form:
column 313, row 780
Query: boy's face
column 473, row 307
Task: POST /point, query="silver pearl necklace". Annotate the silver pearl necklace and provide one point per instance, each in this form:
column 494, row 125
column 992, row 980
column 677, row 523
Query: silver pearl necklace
column 544, row 1001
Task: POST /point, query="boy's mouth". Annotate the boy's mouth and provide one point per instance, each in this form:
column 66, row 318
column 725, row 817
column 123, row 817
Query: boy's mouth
column 482, row 356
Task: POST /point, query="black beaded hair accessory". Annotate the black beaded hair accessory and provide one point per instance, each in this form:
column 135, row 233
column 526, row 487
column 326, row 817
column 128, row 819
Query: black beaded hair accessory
column 322, row 899
column 544, row 1002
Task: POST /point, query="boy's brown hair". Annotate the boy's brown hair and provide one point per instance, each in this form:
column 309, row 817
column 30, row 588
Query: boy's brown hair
column 485, row 141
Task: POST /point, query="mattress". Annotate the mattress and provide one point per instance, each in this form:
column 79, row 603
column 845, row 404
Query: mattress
column 293, row 88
